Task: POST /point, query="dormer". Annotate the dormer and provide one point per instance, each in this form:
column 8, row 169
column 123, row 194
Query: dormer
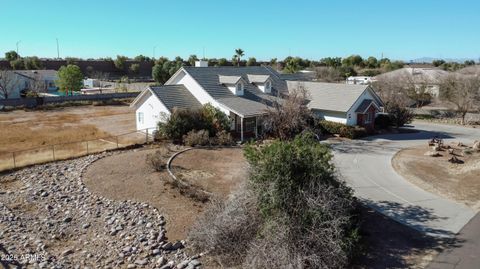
column 262, row 82
column 234, row 83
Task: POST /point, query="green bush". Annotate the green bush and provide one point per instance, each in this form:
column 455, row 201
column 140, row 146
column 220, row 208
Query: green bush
column 196, row 138
column 383, row 121
column 341, row 129
column 182, row 121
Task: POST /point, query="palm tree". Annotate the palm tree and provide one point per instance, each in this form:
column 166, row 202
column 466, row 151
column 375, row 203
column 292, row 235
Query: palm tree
column 239, row 53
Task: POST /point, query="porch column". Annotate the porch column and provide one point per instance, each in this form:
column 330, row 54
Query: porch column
column 241, row 128
column 256, row 127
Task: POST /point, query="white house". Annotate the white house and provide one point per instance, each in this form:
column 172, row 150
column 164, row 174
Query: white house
column 22, row 81
column 428, row 79
column 243, row 93
column 342, row 103
column 246, row 93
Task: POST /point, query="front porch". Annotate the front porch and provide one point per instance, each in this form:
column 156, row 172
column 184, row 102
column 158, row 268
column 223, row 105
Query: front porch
column 245, row 127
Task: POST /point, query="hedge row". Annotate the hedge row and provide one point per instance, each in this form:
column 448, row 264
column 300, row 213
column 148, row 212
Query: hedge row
column 341, row 129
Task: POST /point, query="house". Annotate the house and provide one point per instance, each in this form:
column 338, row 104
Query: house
column 362, row 80
column 243, row 93
column 342, row 103
column 428, row 79
column 23, row 81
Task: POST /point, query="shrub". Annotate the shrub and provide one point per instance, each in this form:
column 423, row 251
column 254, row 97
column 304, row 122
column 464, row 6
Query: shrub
column 224, row 138
column 341, row 129
column 383, row 121
column 182, row 121
column 158, row 159
column 399, row 115
column 196, row 138
column 227, row 227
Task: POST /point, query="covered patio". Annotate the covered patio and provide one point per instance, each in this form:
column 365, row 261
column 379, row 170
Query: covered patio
column 246, row 127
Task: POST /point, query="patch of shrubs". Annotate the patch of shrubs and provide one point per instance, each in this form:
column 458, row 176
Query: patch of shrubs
column 183, row 121
column 158, row 159
column 383, row 121
column 293, row 213
column 196, row 138
column 341, row 129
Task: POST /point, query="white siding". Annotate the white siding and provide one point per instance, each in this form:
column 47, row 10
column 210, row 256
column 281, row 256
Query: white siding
column 334, row 116
column 153, row 112
column 352, row 120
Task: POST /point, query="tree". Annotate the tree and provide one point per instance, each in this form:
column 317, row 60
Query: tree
column 329, row 74
column 222, row 62
column 17, row 64
column 273, row 62
column 372, row 62
column 70, row 78
column 463, row 91
column 32, row 63
column 469, row 62
column 192, row 59
column 292, row 65
column 438, row 63
column 120, row 62
column 11, row 55
column 252, row 61
column 134, row 68
column 142, row 58
column 8, row 83
column 290, row 117
column 239, row 53
column 399, row 115
column 331, row 61
column 353, row 60
column 164, row 69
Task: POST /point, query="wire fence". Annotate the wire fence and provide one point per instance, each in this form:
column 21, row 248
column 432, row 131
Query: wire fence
column 63, row 151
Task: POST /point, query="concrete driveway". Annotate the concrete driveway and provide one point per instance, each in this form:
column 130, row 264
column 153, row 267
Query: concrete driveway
column 366, row 166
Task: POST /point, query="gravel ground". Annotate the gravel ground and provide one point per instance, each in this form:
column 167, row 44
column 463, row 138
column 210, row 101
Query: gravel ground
column 48, row 218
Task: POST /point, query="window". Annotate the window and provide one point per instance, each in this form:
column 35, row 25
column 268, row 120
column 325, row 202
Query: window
column 140, row 117
column 239, row 87
column 268, row 86
column 368, row 117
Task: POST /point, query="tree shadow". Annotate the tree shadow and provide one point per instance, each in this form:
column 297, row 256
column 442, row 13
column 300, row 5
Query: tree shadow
column 386, row 243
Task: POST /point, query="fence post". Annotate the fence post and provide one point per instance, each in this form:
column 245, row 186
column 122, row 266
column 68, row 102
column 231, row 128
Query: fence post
column 14, row 162
column 53, row 152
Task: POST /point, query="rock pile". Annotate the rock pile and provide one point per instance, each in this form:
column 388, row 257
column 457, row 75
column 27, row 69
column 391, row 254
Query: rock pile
column 51, row 220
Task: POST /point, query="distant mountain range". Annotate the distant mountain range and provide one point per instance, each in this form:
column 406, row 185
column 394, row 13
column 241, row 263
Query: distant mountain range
column 431, row 59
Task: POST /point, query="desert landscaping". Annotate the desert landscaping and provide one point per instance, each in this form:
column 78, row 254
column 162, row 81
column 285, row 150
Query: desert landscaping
column 450, row 170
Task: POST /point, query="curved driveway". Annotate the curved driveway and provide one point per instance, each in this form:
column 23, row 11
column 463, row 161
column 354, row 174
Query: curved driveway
column 366, row 166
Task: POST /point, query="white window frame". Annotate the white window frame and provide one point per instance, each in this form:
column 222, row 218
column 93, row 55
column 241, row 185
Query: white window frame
column 141, row 117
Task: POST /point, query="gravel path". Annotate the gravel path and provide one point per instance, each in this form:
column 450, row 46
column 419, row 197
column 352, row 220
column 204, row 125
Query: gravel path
column 48, row 218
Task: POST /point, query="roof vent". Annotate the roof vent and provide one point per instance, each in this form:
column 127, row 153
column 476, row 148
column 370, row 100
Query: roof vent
column 201, row 63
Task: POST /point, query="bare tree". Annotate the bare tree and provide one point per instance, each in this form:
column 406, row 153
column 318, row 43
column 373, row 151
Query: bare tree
column 8, row 83
column 328, row 74
column 463, row 91
column 289, row 116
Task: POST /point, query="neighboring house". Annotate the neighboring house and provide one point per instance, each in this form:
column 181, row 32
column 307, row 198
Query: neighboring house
column 24, row 81
column 342, row 103
column 243, row 93
column 428, row 78
column 361, row 80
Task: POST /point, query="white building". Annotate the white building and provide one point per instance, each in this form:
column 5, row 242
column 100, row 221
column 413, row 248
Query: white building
column 360, row 80
column 22, row 81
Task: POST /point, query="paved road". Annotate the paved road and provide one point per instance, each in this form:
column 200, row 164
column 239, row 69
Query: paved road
column 466, row 254
column 366, row 166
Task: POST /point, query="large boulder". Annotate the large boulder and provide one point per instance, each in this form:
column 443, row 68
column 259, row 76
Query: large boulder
column 476, row 146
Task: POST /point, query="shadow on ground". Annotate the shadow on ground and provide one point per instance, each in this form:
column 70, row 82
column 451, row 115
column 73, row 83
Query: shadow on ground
column 390, row 244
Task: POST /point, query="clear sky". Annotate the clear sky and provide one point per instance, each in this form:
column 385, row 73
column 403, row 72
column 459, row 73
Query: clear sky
column 400, row 29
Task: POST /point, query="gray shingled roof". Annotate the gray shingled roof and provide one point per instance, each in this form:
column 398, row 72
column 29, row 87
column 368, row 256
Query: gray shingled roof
column 258, row 78
column 176, row 96
column 229, row 79
column 253, row 102
column 330, row 96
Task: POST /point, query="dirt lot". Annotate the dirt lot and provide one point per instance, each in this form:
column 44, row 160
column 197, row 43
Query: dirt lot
column 21, row 129
column 127, row 176
column 435, row 174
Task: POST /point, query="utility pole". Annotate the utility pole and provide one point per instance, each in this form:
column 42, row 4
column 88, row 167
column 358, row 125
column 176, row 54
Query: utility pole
column 58, row 51
column 18, row 42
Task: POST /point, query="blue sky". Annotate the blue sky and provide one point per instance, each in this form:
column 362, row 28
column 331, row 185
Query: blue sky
column 405, row 29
